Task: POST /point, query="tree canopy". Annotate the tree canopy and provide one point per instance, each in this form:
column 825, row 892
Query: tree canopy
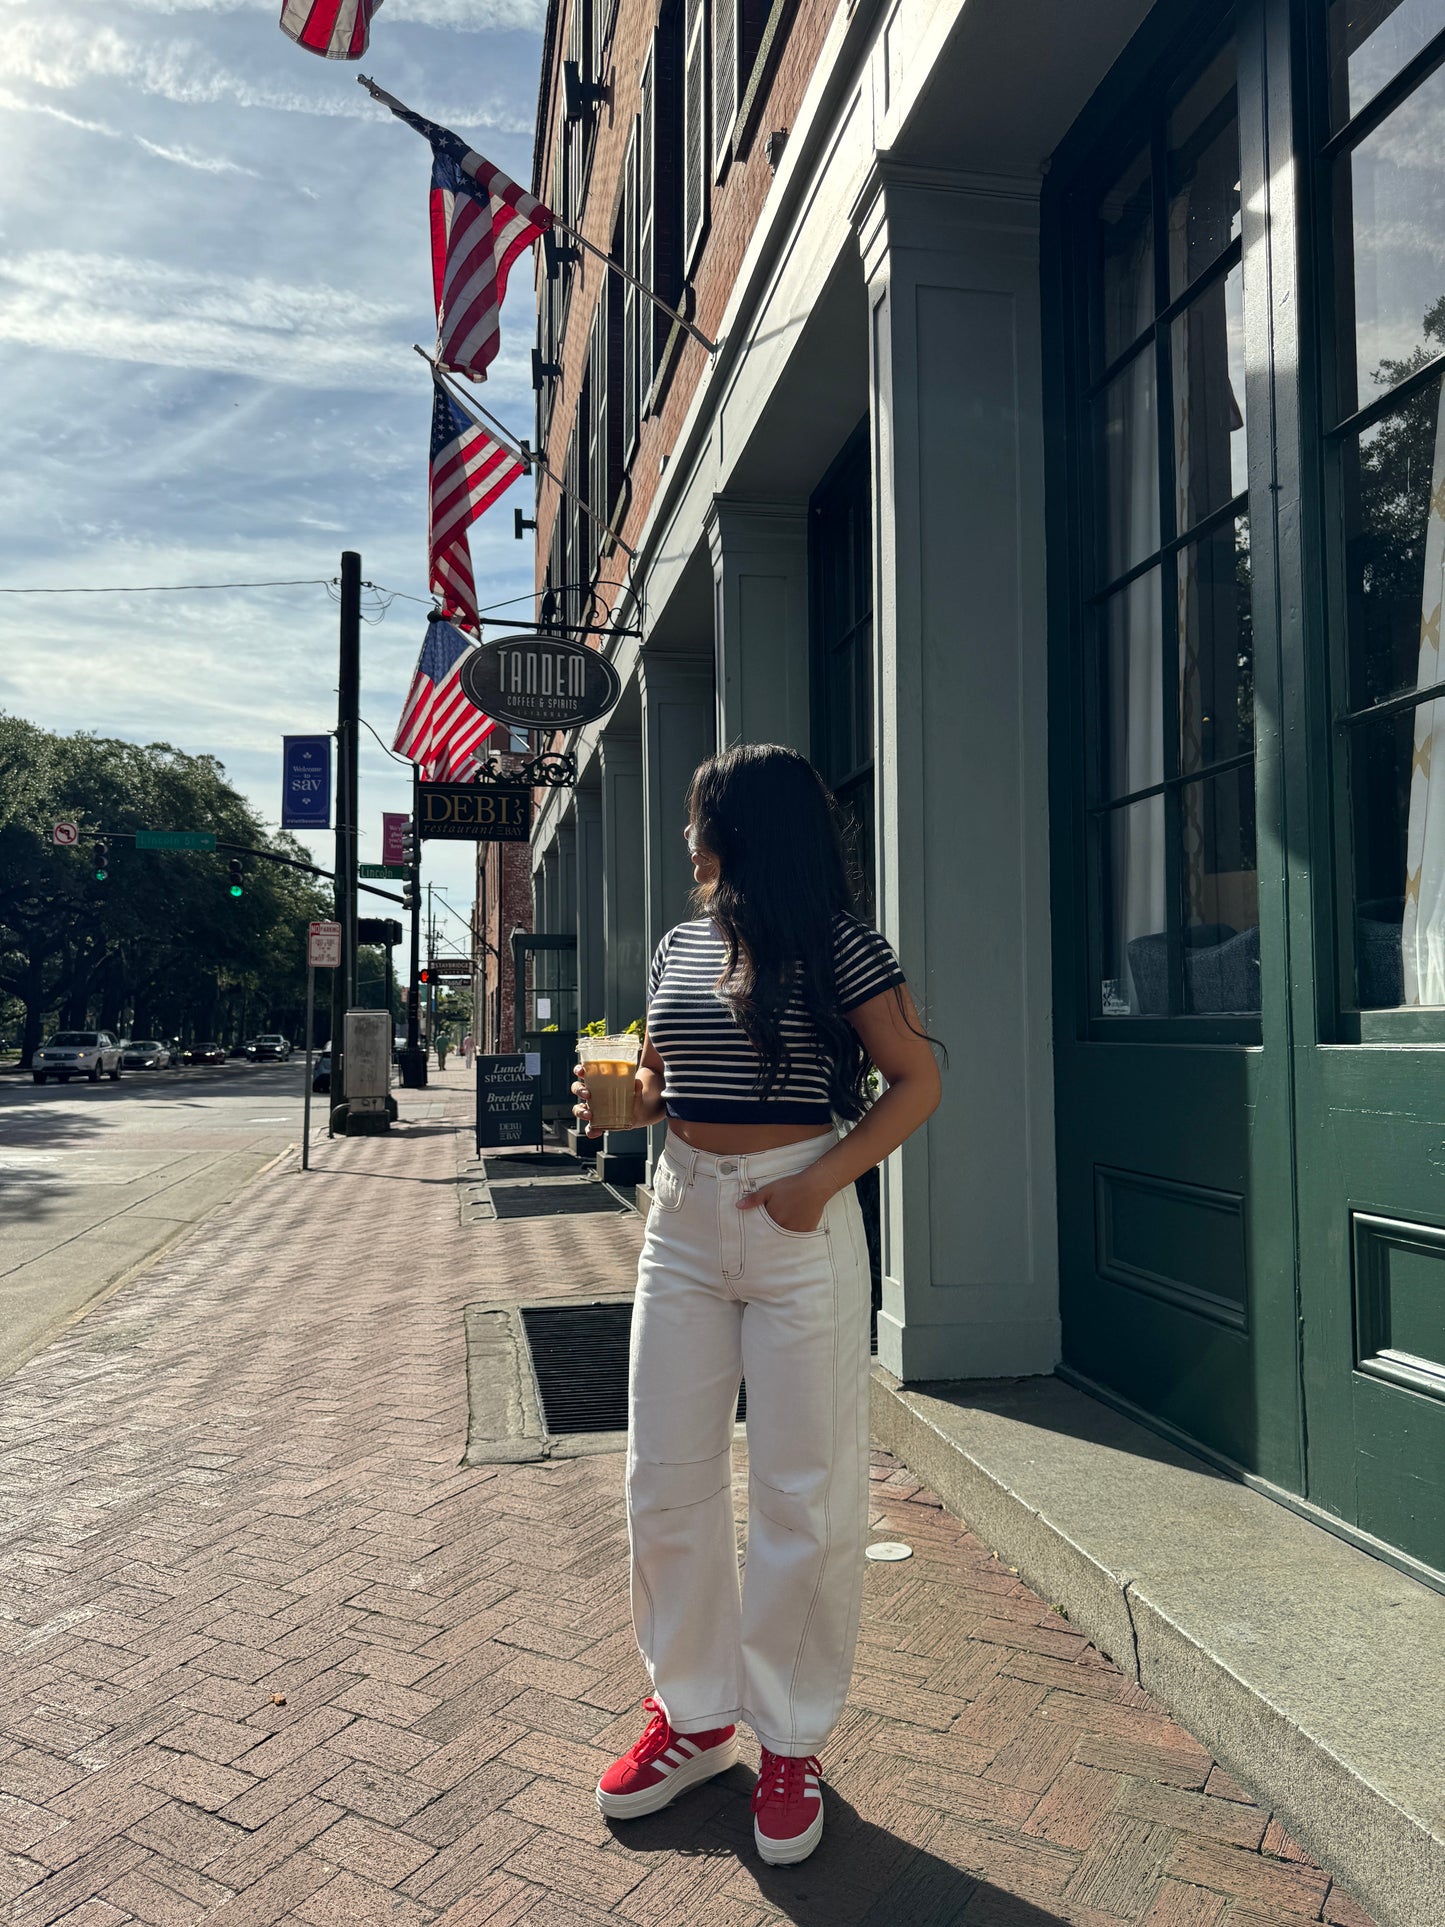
column 160, row 948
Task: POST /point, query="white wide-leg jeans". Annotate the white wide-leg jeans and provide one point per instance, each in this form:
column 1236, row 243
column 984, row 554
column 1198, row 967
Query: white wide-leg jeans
column 724, row 1294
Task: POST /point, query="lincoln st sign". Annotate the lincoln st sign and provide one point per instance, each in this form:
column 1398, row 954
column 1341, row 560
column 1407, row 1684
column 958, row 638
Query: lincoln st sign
column 537, row 681
column 475, row 812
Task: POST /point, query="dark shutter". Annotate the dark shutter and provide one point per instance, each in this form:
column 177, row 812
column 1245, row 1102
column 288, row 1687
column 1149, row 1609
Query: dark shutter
column 612, row 381
column 597, row 421
column 662, row 184
column 753, row 17
column 625, row 295
column 724, row 78
column 695, row 171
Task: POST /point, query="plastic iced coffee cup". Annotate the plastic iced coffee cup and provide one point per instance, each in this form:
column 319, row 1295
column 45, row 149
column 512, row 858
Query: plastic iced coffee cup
column 609, row 1065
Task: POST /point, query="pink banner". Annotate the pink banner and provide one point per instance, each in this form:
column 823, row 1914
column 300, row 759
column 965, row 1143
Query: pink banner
column 393, row 837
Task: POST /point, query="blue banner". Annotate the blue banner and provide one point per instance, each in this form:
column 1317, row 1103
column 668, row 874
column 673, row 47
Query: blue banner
column 306, row 783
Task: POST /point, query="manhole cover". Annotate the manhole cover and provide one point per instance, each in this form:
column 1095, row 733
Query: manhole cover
column 579, row 1355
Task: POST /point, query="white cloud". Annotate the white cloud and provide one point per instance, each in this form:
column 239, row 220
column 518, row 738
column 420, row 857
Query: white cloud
column 13, row 103
column 457, row 16
column 61, row 55
column 187, row 157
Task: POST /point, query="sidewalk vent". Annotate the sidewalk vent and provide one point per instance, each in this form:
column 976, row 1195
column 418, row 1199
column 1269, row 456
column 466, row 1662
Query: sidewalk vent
column 579, row 1353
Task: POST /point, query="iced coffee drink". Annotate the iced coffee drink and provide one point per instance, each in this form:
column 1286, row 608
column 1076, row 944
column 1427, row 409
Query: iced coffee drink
column 609, row 1065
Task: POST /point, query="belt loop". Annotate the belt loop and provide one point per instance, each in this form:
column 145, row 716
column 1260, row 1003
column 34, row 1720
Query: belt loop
column 691, row 1162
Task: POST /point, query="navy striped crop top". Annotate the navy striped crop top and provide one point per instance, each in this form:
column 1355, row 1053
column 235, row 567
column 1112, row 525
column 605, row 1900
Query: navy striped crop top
column 711, row 1068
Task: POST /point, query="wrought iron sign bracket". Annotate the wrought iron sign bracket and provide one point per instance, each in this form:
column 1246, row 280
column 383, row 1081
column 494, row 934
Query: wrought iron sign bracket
column 553, row 770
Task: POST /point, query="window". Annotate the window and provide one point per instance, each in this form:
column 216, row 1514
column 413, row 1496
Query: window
column 1169, row 640
column 652, row 209
column 840, row 571
column 696, row 174
column 1385, row 487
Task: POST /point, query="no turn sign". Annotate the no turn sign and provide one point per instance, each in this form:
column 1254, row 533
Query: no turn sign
column 65, row 834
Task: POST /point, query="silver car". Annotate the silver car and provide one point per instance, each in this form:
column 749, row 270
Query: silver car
column 144, row 1054
column 77, row 1053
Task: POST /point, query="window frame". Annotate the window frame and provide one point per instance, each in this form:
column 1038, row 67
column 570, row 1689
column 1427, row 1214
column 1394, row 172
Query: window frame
column 1329, row 432
column 1144, row 125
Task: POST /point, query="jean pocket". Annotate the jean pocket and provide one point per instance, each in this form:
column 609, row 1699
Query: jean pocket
column 669, row 1187
column 820, row 1230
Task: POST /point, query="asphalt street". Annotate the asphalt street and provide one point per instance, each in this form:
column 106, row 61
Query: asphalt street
column 96, row 1178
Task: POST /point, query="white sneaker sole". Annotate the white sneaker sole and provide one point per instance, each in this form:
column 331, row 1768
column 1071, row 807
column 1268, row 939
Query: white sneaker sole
column 787, row 1853
column 703, row 1766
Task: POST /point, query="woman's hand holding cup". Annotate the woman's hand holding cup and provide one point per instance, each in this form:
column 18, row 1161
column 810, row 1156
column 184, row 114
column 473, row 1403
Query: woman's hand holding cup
column 582, row 1109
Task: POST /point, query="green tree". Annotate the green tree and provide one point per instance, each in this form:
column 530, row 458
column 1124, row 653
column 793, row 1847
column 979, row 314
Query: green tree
column 160, row 946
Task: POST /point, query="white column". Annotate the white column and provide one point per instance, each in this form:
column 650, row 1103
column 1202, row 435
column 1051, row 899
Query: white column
column 624, row 919
column 970, row 1238
column 760, row 621
column 591, row 995
column 677, row 734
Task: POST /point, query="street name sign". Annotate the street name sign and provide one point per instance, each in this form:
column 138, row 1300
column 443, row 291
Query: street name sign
column 509, row 1103
column 306, row 783
column 65, row 834
column 175, row 839
column 539, row 681
column 377, row 872
column 475, row 812
column 323, row 946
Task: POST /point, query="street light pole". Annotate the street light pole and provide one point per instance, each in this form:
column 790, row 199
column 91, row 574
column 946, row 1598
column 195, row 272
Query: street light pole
column 348, row 726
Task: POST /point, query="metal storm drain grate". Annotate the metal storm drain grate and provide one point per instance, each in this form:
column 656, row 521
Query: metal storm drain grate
column 549, row 1196
column 579, row 1354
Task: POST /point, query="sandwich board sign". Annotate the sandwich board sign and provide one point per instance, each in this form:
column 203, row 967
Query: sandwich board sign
column 509, row 1102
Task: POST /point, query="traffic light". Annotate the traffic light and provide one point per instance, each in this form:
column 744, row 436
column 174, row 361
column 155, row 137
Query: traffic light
column 408, row 895
column 424, row 976
column 102, row 859
column 409, row 852
column 237, row 887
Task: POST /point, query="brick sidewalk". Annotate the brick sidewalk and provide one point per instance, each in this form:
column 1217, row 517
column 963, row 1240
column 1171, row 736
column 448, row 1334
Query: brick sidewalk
column 267, row 1653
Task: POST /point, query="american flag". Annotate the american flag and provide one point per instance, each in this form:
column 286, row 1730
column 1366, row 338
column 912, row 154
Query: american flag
column 480, row 222
column 440, row 730
column 336, row 29
column 470, row 468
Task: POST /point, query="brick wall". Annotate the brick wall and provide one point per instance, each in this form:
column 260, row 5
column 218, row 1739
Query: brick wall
column 503, row 904
column 736, row 204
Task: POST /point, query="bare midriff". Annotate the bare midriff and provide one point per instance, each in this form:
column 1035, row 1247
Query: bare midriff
column 742, row 1138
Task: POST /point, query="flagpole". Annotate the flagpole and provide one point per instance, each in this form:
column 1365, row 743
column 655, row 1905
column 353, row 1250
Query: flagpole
column 561, row 227
column 657, row 301
column 473, row 409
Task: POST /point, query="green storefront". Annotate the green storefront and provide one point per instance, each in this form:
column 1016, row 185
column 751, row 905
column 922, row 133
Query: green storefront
column 1244, row 292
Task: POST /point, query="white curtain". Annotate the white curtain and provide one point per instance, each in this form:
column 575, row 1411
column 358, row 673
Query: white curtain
column 1422, row 936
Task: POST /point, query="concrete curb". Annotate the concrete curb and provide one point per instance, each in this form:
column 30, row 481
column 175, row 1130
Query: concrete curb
column 1314, row 1674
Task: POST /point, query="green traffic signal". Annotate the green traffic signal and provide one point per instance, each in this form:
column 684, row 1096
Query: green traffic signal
column 236, row 884
column 102, row 859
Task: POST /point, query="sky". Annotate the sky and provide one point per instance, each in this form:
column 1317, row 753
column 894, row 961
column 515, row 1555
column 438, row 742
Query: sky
column 214, row 262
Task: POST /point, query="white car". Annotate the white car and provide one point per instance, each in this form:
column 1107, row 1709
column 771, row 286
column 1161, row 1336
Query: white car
column 77, row 1053
column 144, row 1054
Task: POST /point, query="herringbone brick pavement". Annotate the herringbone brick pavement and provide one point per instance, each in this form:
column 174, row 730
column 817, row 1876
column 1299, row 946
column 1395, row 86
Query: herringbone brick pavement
column 271, row 1654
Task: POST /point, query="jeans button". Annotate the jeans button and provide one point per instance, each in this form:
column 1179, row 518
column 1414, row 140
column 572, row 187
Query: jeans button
column 726, row 1170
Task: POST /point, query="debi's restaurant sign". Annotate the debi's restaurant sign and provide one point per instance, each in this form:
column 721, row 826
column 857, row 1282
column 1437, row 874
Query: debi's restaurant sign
column 536, row 681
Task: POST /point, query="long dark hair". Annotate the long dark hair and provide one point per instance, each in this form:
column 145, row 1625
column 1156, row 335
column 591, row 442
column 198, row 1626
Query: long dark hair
column 776, row 831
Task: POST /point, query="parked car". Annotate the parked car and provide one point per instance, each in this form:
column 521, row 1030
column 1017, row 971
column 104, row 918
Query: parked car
column 321, row 1074
column 144, row 1054
column 269, row 1046
column 77, row 1053
column 205, row 1054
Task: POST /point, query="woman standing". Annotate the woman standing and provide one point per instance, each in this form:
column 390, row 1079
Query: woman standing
column 766, row 1015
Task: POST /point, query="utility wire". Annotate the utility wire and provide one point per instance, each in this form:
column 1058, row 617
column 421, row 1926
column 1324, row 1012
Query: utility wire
column 180, row 588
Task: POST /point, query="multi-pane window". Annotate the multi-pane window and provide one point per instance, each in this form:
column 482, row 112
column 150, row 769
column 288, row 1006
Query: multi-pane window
column 1171, row 660
column 1385, row 466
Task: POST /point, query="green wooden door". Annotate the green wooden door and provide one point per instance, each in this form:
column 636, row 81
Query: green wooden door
column 1366, row 692
column 1171, row 1034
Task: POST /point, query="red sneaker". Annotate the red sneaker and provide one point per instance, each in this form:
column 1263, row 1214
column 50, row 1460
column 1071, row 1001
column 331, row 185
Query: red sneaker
column 662, row 1765
column 787, row 1808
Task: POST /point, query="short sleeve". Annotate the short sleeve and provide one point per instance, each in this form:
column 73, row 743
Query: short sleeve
column 659, row 964
column 863, row 963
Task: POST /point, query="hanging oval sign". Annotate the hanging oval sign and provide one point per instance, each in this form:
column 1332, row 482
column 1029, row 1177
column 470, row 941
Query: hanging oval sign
column 537, row 681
